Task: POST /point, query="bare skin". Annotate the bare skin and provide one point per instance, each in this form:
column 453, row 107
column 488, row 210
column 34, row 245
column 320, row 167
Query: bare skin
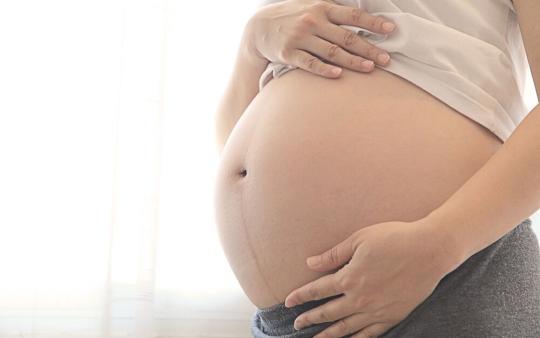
column 312, row 160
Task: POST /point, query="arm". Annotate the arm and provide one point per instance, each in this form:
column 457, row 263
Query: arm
column 242, row 87
column 506, row 189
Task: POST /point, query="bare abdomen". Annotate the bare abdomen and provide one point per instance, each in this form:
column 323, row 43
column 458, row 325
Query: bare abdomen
column 312, row 160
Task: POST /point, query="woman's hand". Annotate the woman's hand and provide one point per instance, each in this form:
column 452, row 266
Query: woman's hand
column 302, row 32
column 390, row 268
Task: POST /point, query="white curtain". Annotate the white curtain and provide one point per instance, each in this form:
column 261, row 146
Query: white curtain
column 108, row 155
column 107, row 165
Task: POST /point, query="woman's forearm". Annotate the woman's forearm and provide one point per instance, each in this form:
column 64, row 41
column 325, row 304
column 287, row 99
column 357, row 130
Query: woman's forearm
column 242, row 87
column 496, row 198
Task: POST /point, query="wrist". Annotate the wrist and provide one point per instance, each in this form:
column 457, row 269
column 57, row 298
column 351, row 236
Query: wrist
column 448, row 250
column 248, row 51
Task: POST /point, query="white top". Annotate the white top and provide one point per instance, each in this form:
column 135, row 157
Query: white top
column 467, row 53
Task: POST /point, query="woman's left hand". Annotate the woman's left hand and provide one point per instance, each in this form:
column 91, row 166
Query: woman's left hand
column 390, row 268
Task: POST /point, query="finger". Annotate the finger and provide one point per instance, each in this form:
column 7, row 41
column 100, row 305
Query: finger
column 312, row 64
column 335, row 54
column 372, row 331
column 326, row 286
column 334, row 257
column 356, row 16
column 328, row 312
column 351, row 41
column 346, row 326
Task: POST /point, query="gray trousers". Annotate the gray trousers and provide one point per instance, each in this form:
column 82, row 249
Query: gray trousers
column 495, row 293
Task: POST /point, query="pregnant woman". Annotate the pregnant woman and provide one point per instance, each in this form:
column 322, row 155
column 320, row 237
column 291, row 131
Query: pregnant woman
column 411, row 180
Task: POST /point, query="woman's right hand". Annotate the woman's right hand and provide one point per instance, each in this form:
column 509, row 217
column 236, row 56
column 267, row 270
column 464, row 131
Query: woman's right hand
column 305, row 32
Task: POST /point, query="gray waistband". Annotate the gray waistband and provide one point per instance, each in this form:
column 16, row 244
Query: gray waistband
column 278, row 320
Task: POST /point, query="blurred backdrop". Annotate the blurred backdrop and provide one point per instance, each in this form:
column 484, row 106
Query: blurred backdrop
column 108, row 157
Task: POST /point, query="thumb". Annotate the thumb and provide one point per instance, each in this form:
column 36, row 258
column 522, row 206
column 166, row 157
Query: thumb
column 333, row 258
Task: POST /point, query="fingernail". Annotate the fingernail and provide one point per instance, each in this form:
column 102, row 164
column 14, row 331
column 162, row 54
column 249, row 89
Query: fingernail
column 367, row 63
column 336, row 71
column 383, row 58
column 388, row 26
column 314, row 261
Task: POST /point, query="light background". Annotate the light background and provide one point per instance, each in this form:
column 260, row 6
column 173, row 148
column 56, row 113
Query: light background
column 106, row 129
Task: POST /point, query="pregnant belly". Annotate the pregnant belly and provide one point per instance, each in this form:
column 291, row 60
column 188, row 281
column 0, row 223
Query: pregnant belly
column 312, row 160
